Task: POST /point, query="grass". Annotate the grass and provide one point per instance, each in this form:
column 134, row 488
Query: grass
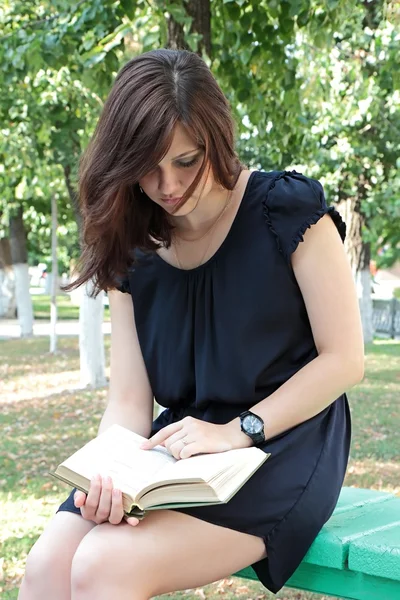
column 65, row 309
column 44, row 416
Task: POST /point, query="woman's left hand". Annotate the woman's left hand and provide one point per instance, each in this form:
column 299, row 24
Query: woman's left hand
column 192, row 436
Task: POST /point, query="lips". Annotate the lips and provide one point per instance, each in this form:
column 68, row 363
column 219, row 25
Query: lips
column 171, row 200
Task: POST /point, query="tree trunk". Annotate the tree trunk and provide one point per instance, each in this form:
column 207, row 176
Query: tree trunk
column 8, row 305
column 91, row 311
column 91, row 343
column 364, row 283
column 19, row 259
column 359, row 253
column 200, row 11
column 54, row 276
column 73, row 197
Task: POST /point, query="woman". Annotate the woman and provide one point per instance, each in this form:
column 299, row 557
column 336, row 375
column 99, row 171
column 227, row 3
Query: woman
column 232, row 314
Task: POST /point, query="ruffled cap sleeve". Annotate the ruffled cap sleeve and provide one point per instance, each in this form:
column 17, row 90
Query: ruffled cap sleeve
column 293, row 204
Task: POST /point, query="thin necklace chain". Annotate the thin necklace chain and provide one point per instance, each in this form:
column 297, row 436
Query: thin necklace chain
column 209, row 230
column 212, row 225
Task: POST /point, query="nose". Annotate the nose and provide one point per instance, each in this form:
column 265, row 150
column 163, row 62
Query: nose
column 169, row 185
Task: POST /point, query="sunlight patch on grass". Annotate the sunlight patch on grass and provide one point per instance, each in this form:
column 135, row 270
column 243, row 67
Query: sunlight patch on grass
column 45, row 416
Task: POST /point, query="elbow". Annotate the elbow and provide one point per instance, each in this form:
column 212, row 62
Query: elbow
column 355, row 370
column 346, row 368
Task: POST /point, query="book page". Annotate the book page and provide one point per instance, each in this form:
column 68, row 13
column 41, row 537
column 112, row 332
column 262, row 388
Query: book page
column 208, row 466
column 116, row 453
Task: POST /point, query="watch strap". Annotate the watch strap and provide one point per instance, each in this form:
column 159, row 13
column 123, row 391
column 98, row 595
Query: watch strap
column 257, row 438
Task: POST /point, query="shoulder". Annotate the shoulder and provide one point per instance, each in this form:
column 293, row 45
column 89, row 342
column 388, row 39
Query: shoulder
column 140, row 259
column 293, row 203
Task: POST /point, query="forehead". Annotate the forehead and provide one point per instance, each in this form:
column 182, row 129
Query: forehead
column 181, row 142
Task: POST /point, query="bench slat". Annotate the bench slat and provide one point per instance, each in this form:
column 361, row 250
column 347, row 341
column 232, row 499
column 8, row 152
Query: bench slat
column 378, row 553
column 331, row 548
column 349, row 585
column 344, row 584
column 351, row 497
column 356, row 555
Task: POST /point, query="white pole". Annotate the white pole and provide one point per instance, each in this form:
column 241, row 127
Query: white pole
column 54, row 276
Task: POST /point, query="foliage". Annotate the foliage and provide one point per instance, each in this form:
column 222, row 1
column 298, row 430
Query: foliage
column 313, row 84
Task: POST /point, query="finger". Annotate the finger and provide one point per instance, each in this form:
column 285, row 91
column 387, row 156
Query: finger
column 133, row 521
column 191, row 450
column 179, row 435
column 176, row 449
column 162, row 435
column 117, row 509
column 79, row 499
column 104, row 507
column 93, row 498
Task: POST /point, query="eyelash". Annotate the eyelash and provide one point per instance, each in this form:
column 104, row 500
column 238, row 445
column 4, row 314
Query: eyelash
column 191, row 163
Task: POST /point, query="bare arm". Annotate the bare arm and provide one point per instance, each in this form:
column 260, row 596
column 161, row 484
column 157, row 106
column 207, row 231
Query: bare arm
column 324, row 276
column 130, row 404
column 130, row 400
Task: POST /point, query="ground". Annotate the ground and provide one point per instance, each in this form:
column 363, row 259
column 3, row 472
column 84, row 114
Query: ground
column 44, row 417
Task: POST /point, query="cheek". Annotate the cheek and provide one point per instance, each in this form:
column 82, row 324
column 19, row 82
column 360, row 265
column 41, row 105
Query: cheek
column 147, row 183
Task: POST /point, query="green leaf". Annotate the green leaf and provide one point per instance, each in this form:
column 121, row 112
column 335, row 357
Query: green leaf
column 297, row 6
column 246, row 55
column 243, row 94
column 193, row 40
column 151, row 38
column 95, row 59
column 179, row 14
column 234, row 12
column 303, row 18
column 129, row 7
column 333, row 4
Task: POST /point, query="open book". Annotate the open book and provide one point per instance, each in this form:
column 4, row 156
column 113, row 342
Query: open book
column 153, row 479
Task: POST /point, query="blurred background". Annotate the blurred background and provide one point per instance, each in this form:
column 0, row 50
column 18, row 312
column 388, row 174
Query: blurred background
column 314, row 86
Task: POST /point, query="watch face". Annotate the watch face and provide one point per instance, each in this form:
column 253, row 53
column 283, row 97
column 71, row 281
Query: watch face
column 252, row 424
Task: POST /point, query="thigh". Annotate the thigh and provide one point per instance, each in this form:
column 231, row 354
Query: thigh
column 168, row 551
column 51, row 556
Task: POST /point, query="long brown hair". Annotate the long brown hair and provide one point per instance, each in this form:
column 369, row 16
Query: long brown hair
column 151, row 94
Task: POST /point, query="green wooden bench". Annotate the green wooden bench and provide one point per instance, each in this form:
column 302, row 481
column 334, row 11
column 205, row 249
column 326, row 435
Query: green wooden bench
column 357, row 553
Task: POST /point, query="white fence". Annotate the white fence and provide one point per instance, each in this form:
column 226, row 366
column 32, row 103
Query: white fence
column 386, row 316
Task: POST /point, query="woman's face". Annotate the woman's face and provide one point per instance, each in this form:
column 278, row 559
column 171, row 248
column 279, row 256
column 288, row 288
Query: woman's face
column 174, row 174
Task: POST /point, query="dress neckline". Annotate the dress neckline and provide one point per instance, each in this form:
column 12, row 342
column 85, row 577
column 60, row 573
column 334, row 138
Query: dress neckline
column 224, row 241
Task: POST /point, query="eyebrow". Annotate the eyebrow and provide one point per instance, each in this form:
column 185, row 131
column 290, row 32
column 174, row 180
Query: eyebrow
column 184, row 154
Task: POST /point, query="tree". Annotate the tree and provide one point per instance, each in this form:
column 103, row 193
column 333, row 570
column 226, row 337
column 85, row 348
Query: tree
column 274, row 60
column 54, row 276
column 57, row 139
column 355, row 107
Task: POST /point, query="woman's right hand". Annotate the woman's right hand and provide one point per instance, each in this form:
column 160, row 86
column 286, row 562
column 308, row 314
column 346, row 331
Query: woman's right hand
column 102, row 503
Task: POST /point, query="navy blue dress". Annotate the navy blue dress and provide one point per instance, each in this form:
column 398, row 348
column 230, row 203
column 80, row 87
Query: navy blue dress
column 221, row 337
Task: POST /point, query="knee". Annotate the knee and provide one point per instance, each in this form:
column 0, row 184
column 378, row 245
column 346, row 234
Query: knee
column 98, row 567
column 89, row 565
column 40, row 563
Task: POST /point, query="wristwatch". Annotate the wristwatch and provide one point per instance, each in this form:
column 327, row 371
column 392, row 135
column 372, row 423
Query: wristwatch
column 253, row 426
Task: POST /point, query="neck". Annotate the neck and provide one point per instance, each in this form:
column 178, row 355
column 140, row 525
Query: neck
column 205, row 212
column 202, row 216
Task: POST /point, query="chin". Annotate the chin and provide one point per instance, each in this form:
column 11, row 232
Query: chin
column 187, row 208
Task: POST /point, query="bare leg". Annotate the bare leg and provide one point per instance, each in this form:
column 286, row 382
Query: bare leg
column 168, row 551
column 48, row 567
